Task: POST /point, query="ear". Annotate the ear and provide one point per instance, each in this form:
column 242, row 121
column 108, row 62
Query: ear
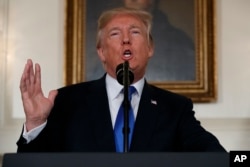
column 150, row 51
column 100, row 54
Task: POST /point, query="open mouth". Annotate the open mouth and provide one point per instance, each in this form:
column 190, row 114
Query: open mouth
column 127, row 53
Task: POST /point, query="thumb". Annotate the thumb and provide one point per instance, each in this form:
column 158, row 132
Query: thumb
column 52, row 95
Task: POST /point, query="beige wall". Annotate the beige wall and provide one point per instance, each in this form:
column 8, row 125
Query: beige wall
column 35, row 29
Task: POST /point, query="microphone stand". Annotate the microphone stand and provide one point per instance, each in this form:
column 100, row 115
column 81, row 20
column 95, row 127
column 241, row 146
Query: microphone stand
column 126, row 105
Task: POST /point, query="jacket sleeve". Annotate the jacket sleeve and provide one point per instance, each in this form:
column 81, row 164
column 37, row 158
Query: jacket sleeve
column 193, row 136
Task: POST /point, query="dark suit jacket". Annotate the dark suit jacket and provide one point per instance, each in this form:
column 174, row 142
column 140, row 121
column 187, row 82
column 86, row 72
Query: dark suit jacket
column 80, row 122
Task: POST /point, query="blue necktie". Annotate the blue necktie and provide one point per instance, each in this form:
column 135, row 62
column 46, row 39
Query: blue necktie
column 119, row 123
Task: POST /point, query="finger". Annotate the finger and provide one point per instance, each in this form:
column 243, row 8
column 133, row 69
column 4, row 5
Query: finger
column 52, row 95
column 37, row 75
column 24, row 78
column 22, row 85
column 28, row 71
column 31, row 72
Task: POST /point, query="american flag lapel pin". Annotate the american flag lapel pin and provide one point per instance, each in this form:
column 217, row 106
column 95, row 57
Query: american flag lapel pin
column 154, row 102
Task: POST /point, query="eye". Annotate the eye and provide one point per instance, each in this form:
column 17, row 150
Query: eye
column 135, row 31
column 114, row 33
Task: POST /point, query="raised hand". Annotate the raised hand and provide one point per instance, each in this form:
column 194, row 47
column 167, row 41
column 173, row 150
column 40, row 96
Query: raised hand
column 36, row 106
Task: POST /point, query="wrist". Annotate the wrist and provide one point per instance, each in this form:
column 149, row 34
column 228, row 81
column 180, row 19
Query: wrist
column 33, row 124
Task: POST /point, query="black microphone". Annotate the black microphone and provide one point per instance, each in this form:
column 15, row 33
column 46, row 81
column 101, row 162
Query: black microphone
column 125, row 77
column 123, row 73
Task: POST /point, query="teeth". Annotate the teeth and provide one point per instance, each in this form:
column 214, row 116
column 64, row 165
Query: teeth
column 127, row 53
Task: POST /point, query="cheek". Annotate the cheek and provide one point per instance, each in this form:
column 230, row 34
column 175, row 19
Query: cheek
column 112, row 50
column 145, row 51
column 110, row 55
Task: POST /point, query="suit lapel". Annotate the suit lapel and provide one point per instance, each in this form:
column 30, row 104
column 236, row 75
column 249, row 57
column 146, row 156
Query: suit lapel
column 146, row 120
column 103, row 129
column 102, row 123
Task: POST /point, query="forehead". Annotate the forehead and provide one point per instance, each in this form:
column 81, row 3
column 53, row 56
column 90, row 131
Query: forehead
column 124, row 20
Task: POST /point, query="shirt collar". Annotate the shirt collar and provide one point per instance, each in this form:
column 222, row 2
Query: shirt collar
column 114, row 88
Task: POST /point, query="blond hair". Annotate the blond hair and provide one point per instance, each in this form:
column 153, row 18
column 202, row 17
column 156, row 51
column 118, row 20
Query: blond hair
column 108, row 15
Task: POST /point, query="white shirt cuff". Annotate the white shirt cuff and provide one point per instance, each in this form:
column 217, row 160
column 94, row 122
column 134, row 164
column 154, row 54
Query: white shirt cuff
column 33, row 133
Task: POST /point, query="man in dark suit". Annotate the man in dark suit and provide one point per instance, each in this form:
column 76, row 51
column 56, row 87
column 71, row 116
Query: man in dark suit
column 82, row 117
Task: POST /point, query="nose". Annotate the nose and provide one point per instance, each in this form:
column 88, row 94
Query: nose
column 126, row 40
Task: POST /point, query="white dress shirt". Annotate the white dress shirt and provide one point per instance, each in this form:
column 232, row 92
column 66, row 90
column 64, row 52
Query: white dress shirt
column 115, row 98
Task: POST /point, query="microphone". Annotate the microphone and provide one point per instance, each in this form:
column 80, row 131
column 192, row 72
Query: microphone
column 124, row 74
column 125, row 77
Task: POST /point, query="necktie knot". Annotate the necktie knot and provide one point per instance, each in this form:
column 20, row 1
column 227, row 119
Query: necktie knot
column 131, row 91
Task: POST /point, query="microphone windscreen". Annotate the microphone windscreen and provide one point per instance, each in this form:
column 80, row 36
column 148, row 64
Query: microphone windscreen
column 120, row 72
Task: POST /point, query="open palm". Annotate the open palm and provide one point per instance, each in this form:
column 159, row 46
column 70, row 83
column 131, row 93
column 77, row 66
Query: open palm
column 37, row 107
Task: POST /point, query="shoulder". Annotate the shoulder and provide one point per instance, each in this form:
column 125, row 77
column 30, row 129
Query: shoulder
column 76, row 87
column 80, row 90
column 166, row 93
column 83, row 86
column 168, row 97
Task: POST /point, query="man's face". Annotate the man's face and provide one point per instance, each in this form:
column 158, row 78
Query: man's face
column 125, row 38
